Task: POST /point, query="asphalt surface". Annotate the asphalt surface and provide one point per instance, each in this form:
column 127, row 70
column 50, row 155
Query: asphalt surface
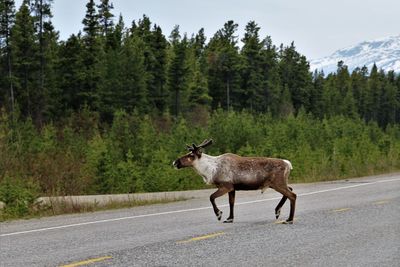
column 343, row 223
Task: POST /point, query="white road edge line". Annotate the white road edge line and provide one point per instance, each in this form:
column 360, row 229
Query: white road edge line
column 188, row 210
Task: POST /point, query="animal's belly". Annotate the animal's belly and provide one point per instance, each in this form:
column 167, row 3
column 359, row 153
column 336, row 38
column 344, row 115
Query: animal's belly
column 248, row 186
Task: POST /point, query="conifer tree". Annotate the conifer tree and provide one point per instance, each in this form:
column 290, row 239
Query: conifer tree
column 359, row 83
column 106, row 23
column 197, row 80
column 294, row 70
column 133, row 93
column 105, row 17
column 155, row 53
column 24, row 53
column 372, row 95
column 177, row 71
column 7, row 19
column 252, row 72
column 91, row 57
column 316, row 101
column 47, row 38
column 223, row 68
column 270, row 74
column 156, row 86
column 388, row 103
column 71, row 72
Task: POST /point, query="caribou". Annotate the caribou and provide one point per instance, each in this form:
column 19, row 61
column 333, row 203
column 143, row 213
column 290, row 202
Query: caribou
column 230, row 172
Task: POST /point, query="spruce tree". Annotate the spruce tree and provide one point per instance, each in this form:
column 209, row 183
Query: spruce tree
column 177, row 72
column 155, row 53
column 7, row 19
column 24, row 50
column 252, row 72
column 48, row 39
column 372, row 95
column 272, row 85
column 71, row 72
column 91, row 57
column 388, row 103
column 316, row 101
column 106, row 23
column 359, row 83
column 294, row 70
column 198, row 87
column 223, row 68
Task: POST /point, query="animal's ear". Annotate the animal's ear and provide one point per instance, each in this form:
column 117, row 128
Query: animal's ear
column 198, row 152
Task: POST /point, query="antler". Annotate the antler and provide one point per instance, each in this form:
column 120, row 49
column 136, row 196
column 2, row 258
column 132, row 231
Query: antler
column 193, row 147
column 205, row 143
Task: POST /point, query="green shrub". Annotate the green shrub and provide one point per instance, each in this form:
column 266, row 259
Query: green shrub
column 19, row 197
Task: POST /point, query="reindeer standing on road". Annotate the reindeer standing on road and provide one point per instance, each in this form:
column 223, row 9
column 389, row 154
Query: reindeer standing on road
column 230, row 172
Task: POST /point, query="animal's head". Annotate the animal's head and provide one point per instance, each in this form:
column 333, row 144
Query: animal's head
column 194, row 154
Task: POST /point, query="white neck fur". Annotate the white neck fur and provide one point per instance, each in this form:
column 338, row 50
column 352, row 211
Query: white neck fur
column 207, row 167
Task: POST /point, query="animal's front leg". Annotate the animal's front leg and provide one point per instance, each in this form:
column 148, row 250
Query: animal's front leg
column 220, row 192
column 231, row 205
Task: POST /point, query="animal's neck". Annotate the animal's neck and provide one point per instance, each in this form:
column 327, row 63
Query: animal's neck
column 207, row 167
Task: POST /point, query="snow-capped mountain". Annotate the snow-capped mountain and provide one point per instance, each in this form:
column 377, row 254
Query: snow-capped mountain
column 385, row 53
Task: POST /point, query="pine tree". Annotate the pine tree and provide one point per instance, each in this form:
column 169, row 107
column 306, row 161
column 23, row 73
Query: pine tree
column 7, row 19
column 223, row 68
column 133, row 93
column 177, row 72
column 91, row 57
column 52, row 93
column 198, row 87
column 155, row 53
column 105, row 17
column 359, row 83
column 252, row 72
column 71, row 72
column 316, row 101
column 372, row 95
column 47, row 38
column 157, row 88
column 24, row 52
column 271, row 79
column 111, row 88
column 106, row 23
column 388, row 103
column 294, row 70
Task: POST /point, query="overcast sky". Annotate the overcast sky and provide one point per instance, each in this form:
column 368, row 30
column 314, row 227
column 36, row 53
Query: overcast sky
column 317, row 27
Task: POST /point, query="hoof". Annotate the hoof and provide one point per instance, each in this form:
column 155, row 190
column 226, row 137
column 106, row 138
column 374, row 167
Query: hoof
column 288, row 222
column 229, row 220
column 277, row 213
column 219, row 215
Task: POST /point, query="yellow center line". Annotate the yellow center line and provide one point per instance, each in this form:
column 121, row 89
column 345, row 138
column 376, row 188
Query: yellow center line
column 86, row 262
column 340, row 210
column 201, row 237
column 381, row 202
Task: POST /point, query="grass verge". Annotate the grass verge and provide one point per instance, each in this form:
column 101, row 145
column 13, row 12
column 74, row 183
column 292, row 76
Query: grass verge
column 60, row 207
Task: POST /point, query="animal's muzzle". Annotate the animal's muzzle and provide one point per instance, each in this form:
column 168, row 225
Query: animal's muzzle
column 177, row 164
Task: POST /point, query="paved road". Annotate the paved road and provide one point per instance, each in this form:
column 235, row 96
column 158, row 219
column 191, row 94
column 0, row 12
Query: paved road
column 343, row 223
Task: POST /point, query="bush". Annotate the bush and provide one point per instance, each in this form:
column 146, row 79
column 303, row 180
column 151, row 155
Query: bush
column 19, row 197
column 134, row 153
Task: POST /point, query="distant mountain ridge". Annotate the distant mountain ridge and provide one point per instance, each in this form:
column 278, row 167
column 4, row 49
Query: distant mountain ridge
column 384, row 52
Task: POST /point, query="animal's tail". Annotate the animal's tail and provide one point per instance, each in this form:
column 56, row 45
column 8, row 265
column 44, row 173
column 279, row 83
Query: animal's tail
column 289, row 164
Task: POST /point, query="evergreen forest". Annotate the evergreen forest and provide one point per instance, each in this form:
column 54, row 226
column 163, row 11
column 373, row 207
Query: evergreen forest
column 108, row 109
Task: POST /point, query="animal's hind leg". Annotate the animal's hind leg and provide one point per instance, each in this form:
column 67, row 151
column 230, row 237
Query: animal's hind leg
column 280, row 204
column 221, row 191
column 286, row 192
